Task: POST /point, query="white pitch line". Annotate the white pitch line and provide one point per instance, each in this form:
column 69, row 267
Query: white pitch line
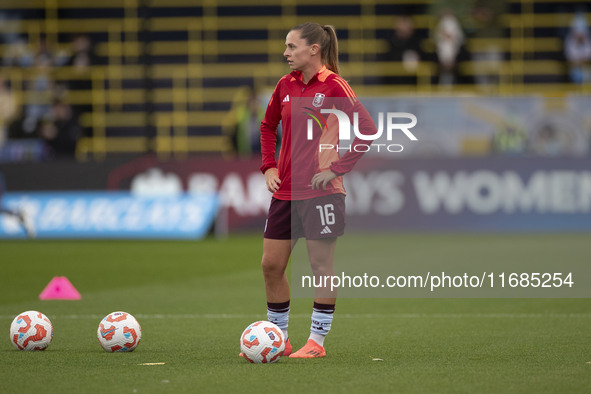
column 196, row 316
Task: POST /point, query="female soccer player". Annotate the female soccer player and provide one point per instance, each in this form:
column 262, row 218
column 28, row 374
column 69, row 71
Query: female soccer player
column 306, row 181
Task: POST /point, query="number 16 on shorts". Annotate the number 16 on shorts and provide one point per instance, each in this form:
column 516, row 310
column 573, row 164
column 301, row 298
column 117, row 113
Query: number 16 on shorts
column 329, row 215
column 326, row 214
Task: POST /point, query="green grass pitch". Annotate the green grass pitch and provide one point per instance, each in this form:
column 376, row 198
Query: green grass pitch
column 193, row 299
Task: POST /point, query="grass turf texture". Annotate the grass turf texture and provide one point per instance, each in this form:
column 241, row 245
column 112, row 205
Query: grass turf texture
column 193, row 299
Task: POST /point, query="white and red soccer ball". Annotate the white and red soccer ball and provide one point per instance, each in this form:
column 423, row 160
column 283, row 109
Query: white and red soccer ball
column 119, row 332
column 262, row 342
column 31, row 330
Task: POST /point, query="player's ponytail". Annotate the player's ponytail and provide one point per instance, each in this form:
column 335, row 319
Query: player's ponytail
column 330, row 53
column 326, row 37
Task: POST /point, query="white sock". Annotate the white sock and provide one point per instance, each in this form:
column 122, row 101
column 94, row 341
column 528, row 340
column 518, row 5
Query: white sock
column 319, row 339
column 278, row 313
column 322, row 315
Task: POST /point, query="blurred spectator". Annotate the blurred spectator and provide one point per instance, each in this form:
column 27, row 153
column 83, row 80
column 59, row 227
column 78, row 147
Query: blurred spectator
column 510, row 139
column 18, row 54
column 247, row 140
column 404, row 47
column 485, row 16
column 449, row 47
column 83, row 55
column 60, row 130
column 8, row 108
column 46, row 50
column 549, row 142
column 39, row 93
column 577, row 49
column 80, row 61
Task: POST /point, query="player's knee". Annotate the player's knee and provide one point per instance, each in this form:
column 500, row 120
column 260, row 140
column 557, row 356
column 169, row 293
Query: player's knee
column 272, row 267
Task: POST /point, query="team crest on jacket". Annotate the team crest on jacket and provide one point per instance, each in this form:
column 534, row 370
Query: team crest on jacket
column 318, row 100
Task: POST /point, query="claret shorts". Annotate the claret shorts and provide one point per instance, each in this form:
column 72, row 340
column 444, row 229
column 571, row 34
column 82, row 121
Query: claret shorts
column 315, row 218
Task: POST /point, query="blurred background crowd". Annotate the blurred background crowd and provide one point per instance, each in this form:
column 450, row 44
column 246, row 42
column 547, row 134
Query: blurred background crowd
column 82, row 80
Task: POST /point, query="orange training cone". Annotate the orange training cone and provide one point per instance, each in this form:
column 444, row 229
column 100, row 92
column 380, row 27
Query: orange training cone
column 59, row 288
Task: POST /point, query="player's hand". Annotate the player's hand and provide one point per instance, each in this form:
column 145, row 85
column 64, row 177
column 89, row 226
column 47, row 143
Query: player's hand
column 322, row 179
column 272, row 179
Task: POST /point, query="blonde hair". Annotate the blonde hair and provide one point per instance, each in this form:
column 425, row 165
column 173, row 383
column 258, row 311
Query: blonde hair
column 326, row 37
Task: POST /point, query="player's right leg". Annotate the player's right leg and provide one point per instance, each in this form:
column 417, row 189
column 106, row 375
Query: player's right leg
column 274, row 264
column 280, row 237
column 282, row 230
column 276, row 254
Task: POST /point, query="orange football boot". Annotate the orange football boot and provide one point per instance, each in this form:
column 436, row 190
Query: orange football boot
column 310, row 350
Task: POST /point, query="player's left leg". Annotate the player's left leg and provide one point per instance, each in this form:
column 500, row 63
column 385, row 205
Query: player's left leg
column 321, row 255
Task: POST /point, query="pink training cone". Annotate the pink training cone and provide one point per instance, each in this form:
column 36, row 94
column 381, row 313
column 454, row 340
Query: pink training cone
column 60, row 288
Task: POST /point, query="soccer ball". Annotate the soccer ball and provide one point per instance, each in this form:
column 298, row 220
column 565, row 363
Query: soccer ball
column 262, row 342
column 31, row 330
column 119, row 332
